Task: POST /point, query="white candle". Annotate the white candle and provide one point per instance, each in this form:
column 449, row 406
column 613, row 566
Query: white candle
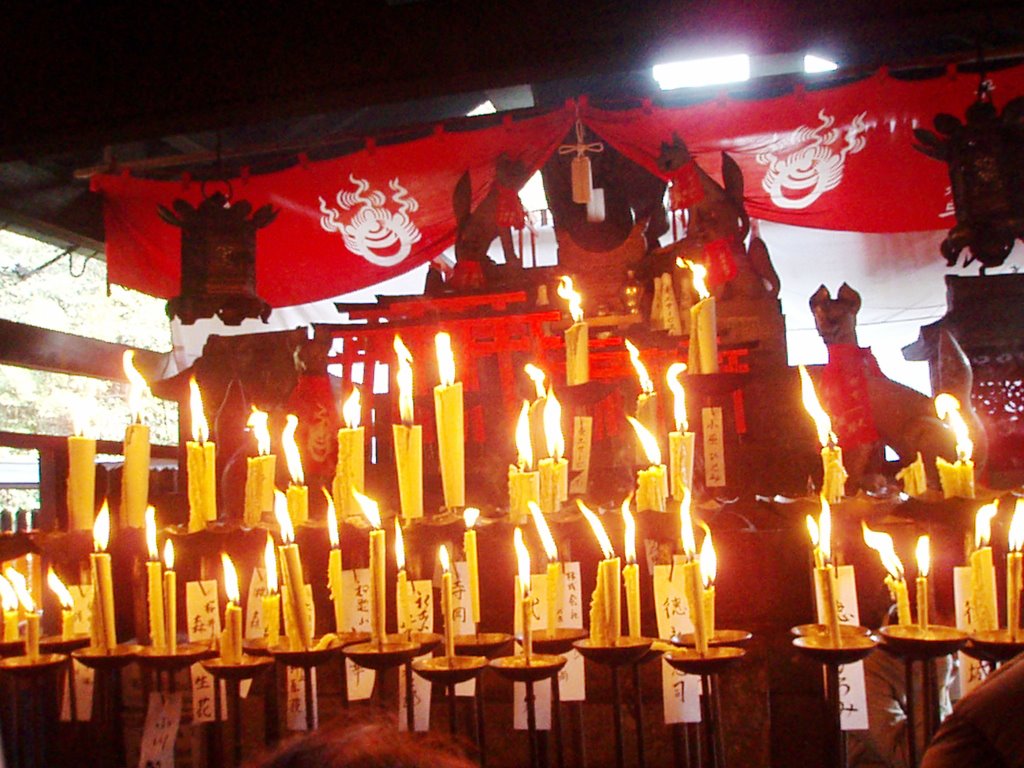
column 378, row 598
column 577, row 336
column 349, row 472
column 297, row 497
column 104, row 631
column 334, row 569
column 259, row 472
column 448, row 413
column 408, row 438
column 170, row 598
column 231, row 637
column 135, row 474
column 680, row 441
column 81, row 479
column 201, row 454
column 294, row 581
column 703, row 353
column 447, row 602
column 154, row 586
column 67, row 604
column 470, row 517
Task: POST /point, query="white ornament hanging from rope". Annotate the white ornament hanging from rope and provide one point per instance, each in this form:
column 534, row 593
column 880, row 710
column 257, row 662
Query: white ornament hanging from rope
column 582, row 179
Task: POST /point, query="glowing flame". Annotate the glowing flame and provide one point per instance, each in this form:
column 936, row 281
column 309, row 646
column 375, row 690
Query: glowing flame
column 825, row 533
column 599, row 532
column 230, row 579
column 948, row 409
column 553, row 426
column 101, row 529
column 169, row 555
column 647, row 441
column 291, row 450
column 350, row 410
column 679, row 394
column 524, row 447
column 537, row 376
column 983, row 524
column 399, row 546
column 8, row 597
column 200, row 427
column 258, row 424
column 21, row 589
column 646, row 385
column 284, row 520
column 154, row 553
column 270, row 565
column 570, row 294
column 137, row 386
column 332, row 521
column 812, row 529
column 822, row 422
column 700, row 276
column 1016, row 537
column 545, row 533
column 445, row 359
column 630, row 530
column 708, row 559
column 58, row 588
column 882, row 544
column 924, row 555
column 470, row 516
column 369, row 507
column 442, row 555
column 80, row 417
column 686, row 525
column 523, row 560
column 404, row 379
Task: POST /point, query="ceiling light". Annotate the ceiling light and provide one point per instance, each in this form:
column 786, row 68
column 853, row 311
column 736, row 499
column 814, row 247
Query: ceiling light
column 814, row 64
column 700, row 72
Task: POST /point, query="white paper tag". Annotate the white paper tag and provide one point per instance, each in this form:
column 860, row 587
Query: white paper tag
column 163, row 716
column 852, row 689
column 84, row 677
column 422, row 620
column 972, row 672
column 582, row 431
column 356, row 588
column 462, row 617
column 714, row 447
column 254, row 605
column 296, row 680
column 680, row 693
column 203, row 616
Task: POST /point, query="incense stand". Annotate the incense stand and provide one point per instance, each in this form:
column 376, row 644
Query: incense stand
column 488, row 645
column 558, row 643
column 233, row 674
column 306, row 660
column 627, row 651
column 107, row 698
column 994, row 646
column 35, row 682
column 855, row 644
column 449, row 672
column 913, row 643
column 519, row 669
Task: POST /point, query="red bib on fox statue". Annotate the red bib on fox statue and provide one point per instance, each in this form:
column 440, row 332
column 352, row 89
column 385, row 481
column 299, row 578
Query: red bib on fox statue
column 844, row 391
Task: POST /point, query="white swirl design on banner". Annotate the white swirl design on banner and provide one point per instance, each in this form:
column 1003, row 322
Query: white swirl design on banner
column 379, row 234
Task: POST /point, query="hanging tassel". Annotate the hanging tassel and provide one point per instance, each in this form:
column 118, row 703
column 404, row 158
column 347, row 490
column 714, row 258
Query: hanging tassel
column 582, row 179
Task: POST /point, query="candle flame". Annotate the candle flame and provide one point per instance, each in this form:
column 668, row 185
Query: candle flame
column 882, row 543
column 169, row 555
column 923, row 552
column 59, row 589
column 599, row 532
column 291, row 450
column 708, row 559
column 646, row 385
column 700, row 276
column 404, row 379
column 537, row 376
column 79, row 419
column 445, row 359
column 822, row 422
column 137, row 386
column 101, row 529
column 524, row 447
column 470, row 516
column 983, row 524
column 812, row 529
column 200, row 427
column 686, row 525
column 679, row 394
column 20, row 585
column 545, row 533
column 270, row 566
column 629, row 523
column 825, row 532
column 351, row 409
column 1016, row 537
column 284, row 520
column 948, row 409
column 647, row 441
column 258, row 424
column 399, row 546
column 442, row 555
column 523, row 560
column 569, row 293
column 230, row 579
column 370, row 508
column 8, row 597
column 154, row 552
column 332, row 521
column 553, row 426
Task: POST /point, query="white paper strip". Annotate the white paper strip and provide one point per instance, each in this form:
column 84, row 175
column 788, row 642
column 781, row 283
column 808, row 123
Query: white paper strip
column 356, row 586
column 852, row 689
column 163, row 716
column 84, row 677
column 296, row 681
column 422, row 621
column 680, row 694
column 972, row 672
column 203, row 616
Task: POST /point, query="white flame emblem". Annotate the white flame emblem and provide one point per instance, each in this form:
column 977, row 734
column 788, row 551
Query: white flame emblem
column 805, row 164
column 379, row 234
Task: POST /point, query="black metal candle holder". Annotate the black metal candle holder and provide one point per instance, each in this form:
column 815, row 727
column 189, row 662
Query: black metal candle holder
column 994, row 646
column 391, row 652
column 541, row 666
column 167, row 664
column 32, row 716
column 449, row 672
column 107, row 699
column 488, row 645
column 306, row 660
column 233, row 673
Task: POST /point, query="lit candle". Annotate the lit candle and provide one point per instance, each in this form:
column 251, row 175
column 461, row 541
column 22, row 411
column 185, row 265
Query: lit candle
column 259, row 472
column 553, row 580
column 403, row 587
column 523, row 589
column 896, row 577
column 408, row 440
column 297, row 496
column 554, row 471
column 703, row 353
column 28, row 606
column 272, row 597
column 536, row 432
column 104, row 630
column 606, row 603
column 470, row 516
column 523, row 482
column 334, row 569
column 983, row 596
column 923, row 563
column 957, row 479
column 647, row 400
column 708, row 572
column 201, row 453
column 1014, row 569
column 155, row 585
column 378, row 600
column 693, row 582
column 349, row 472
column 9, row 600
column 67, row 605
column 825, row 573
column 577, row 336
column 449, row 416
column 170, row 597
column 231, row 636
column 296, row 620
column 631, row 573
column 915, row 482
column 680, row 441
column 81, row 477
column 833, row 484
column 447, row 602
column 651, row 483
column 135, row 474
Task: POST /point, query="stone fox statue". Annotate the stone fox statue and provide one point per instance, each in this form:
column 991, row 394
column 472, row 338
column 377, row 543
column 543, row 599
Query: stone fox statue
column 869, row 410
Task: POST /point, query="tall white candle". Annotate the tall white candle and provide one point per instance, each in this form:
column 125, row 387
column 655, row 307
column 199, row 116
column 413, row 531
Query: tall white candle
column 135, row 474
column 449, row 416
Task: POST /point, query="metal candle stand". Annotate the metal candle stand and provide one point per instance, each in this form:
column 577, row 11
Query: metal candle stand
column 233, row 674
column 540, row 667
column 65, row 646
column 36, row 679
column 912, row 643
column 488, row 645
column 389, row 653
column 167, row 664
column 556, row 643
column 306, row 660
column 449, row 672
column 107, row 700
column 855, row 644
column 995, row 646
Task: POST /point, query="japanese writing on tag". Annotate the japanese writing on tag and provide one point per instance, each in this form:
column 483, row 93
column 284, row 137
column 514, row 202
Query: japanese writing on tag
column 972, row 671
column 582, row 431
column 462, row 617
column 254, row 605
column 160, row 731
column 296, row 680
column 356, row 588
column 680, row 694
column 203, row 615
column 853, row 694
column 422, row 621
column 714, row 447
column 84, row 677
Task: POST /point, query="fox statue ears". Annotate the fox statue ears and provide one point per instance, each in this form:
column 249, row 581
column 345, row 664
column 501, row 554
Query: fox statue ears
column 846, row 295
